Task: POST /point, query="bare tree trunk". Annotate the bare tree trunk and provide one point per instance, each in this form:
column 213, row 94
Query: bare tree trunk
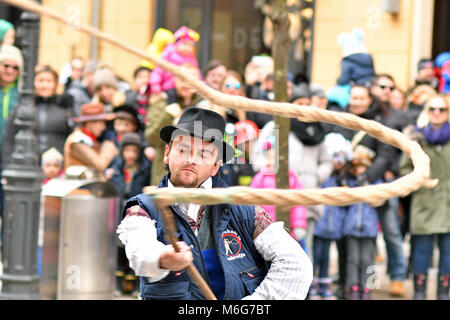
column 280, row 53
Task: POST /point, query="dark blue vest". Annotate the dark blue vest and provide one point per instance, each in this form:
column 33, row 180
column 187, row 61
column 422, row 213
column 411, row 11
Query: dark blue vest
column 232, row 227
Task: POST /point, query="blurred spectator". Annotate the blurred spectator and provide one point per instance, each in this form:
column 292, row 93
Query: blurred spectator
column 82, row 92
column 329, row 227
column 160, row 40
column 442, row 63
column 233, row 84
column 430, row 208
column 179, row 53
column 214, row 74
column 54, row 115
column 129, row 173
column 357, row 63
column 139, row 94
column 7, row 33
column 82, row 147
column 398, row 99
column 425, row 73
column 318, row 96
column 416, row 100
column 381, row 87
column 160, row 114
column 11, row 68
column 247, row 133
column 106, row 91
column 266, row 178
column 363, row 105
column 71, row 72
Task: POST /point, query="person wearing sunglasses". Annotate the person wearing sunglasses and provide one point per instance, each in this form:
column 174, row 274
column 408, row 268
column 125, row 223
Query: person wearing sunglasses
column 430, row 208
column 11, row 63
column 233, row 84
column 382, row 86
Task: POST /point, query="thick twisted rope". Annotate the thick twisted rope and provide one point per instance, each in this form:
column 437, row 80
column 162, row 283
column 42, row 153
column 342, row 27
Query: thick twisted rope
column 374, row 194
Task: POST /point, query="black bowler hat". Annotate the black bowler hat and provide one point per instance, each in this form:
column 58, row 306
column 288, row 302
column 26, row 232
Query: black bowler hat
column 201, row 123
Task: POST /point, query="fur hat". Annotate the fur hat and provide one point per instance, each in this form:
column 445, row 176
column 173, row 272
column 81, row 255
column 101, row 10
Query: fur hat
column 104, row 76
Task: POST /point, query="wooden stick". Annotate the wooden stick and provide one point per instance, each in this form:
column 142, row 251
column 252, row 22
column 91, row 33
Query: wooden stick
column 192, row 271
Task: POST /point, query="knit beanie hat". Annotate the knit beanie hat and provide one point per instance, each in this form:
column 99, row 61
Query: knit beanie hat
column 52, row 155
column 130, row 138
column 12, row 53
column 300, row 91
column 104, row 76
column 5, row 26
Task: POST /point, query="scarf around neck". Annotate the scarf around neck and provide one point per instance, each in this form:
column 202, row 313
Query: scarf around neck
column 440, row 136
column 309, row 133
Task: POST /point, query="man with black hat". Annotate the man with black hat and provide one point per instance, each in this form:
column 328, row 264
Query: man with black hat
column 230, row 245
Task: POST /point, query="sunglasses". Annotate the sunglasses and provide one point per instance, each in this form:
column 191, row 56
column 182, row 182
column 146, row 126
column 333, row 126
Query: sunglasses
column 434, row 109
column 386, row 87
column 235, row 86
column 6, row 66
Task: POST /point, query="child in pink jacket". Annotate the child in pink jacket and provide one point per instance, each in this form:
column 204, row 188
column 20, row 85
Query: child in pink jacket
column 179, row 53
column 265, row 178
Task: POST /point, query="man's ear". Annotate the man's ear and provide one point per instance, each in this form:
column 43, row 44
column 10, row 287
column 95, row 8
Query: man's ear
column 216, row 168
column 166, row 154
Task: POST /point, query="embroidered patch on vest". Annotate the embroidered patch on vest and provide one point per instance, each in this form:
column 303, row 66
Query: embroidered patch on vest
column 233, row 245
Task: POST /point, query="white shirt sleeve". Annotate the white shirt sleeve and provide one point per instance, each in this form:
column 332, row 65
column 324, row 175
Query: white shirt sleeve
column 142, row 248
column 291, row 272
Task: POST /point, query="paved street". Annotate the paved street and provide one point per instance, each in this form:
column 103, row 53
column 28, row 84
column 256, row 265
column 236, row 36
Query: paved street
column 382, row 292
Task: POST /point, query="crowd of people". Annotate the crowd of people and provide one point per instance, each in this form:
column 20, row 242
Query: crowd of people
column 88, row 116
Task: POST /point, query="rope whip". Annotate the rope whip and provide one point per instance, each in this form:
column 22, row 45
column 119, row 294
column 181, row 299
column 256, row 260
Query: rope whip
column 164, row 197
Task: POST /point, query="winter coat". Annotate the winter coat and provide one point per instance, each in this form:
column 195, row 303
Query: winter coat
column 356, row 69
column 265, row 178
column 385, row 154
column 80, row 94
column 330, row 225
column 162, row 80
column 312, row 164
column 54, row 124
column 9, row 97
column 430, row 208
column 242, row 272
column 140, row 178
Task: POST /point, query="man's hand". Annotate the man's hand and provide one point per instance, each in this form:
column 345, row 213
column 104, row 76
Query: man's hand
column 174, row 261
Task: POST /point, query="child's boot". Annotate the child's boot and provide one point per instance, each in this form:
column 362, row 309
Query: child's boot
column 325, row 289
column 420, row 286
column 442, row 290
column 313, row 293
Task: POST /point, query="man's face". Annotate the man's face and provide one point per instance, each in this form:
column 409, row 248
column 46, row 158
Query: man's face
column 215, row 77
column 438, row 111
column 9, row 71
column 191, row 161
column 383, row 88
column 77, row 69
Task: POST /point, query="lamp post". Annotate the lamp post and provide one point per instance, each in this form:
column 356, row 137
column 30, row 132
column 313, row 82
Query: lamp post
column 23, row 184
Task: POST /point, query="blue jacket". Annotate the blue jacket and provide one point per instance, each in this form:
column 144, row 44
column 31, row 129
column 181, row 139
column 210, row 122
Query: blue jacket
column 140, row 180
column 243, row 268
column 330, row 224
column 361, row 220
column 356, row 69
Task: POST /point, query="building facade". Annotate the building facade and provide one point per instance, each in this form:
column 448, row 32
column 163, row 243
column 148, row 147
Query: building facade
column 397, row 32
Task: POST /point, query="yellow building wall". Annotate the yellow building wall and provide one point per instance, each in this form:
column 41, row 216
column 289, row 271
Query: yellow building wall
column 387, row 37
column 131, row 20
